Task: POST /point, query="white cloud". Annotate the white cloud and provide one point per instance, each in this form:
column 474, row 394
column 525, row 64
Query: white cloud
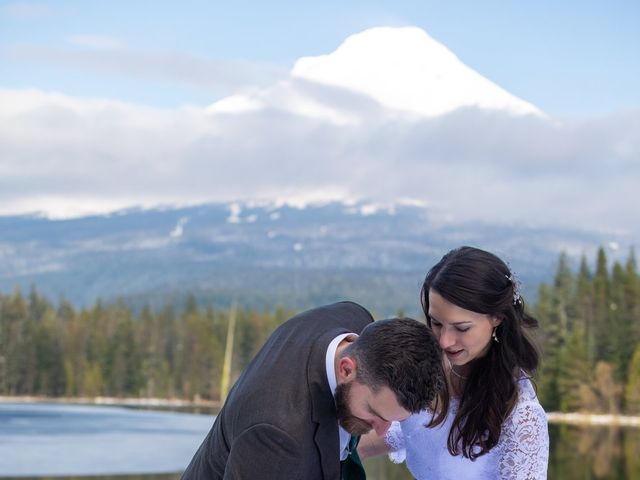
column 106, row 54
column 65, row 156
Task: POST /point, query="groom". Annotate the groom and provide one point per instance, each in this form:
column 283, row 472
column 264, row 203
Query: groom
column 316, row 385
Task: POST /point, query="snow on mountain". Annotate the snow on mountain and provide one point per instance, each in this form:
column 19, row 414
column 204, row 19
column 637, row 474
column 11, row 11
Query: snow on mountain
column 402, row 69
column 268, row 254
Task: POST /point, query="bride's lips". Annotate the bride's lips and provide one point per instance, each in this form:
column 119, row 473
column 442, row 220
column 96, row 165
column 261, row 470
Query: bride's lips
column 453, row 353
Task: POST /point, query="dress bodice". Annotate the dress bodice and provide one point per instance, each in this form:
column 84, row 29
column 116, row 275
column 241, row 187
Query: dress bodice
column 522, row 451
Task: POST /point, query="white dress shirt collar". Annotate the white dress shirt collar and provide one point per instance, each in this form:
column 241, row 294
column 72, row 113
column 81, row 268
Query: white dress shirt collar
column 333, row 383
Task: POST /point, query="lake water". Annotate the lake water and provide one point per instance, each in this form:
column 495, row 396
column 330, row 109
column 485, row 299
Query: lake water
column 69, row 440
column 110, row 443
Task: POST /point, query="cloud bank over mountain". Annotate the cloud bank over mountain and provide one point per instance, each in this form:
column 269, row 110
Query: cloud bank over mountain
column 390, row 114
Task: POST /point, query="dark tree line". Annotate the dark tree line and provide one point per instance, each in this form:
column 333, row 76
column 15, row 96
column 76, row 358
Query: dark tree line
column 590, row 335
column 108, row 351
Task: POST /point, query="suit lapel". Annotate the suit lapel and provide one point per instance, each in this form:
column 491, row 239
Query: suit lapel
column 328, row 447
column 323, row 409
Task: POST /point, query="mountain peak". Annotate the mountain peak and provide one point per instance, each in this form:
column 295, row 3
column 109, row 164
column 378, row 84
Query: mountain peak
column 405, row 69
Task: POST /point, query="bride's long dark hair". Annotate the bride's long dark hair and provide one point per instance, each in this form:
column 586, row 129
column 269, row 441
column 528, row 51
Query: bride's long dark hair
column 479, row 281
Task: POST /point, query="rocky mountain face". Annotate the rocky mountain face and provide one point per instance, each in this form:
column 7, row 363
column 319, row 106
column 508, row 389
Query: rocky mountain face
column 262, row 255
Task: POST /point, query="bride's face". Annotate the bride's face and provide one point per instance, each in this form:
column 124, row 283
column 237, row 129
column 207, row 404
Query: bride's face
column 463, row 335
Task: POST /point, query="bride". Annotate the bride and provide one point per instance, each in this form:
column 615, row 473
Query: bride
column 489, row 425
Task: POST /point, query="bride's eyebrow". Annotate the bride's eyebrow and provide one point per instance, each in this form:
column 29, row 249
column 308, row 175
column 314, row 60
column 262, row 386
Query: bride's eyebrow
column 461, row 322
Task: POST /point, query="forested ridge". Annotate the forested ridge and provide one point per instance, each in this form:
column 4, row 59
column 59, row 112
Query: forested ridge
column 590, row 339
column 107, row 350
column 590, row 329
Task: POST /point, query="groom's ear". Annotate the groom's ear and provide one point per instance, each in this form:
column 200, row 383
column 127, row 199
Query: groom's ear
column 346, row 369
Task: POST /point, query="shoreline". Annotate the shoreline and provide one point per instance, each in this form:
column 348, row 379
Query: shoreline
column 594, row 419
column 114, row 401
column 569, row 418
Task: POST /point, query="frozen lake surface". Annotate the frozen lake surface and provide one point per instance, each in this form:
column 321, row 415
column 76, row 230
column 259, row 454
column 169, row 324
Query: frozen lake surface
column 64, row 440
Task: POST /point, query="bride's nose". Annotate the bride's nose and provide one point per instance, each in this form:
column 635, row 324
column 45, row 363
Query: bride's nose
column 447, row 338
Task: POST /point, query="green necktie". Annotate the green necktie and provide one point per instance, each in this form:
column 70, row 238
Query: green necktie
column 351, row 468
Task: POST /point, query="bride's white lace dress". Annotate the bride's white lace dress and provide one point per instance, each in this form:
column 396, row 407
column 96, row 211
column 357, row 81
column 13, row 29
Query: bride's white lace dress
column 521, row 453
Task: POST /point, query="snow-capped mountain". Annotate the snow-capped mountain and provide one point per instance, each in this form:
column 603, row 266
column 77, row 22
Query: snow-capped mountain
column 402, row 69
column 407, row 70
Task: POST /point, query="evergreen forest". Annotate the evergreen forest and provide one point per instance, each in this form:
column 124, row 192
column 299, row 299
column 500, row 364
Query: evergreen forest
column 589, row 338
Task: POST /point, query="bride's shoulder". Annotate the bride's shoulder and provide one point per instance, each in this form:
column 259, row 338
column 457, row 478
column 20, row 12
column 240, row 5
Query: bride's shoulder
column 523, row 448
column 527, row 410
column 526, row 389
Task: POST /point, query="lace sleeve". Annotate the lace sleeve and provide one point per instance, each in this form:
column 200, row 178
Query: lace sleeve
column 524, row 443
column 395, row 439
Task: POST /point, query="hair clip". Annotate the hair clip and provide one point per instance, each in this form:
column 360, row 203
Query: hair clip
column 515, row 283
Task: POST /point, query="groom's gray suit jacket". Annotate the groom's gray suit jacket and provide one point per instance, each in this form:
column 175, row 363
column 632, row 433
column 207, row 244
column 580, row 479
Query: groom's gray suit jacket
column 279, row 421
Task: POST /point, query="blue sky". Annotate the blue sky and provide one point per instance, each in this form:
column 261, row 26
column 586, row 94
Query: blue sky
column 571, row 59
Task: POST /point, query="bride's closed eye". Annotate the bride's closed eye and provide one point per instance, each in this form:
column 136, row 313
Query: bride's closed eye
column 437, row 324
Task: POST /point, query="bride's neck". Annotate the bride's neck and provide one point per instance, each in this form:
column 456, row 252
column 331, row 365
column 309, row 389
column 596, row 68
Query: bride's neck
column 457, row 377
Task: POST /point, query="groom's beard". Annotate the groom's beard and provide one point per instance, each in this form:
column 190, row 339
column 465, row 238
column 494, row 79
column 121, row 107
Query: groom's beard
column 352, row 424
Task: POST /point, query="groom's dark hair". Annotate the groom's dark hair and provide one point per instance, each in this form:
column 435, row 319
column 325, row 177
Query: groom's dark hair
column 402, row 354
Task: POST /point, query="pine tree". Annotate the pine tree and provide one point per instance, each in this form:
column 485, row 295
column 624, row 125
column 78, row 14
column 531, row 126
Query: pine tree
column 17, row 347
column 632, row 297
column 552, row 341
column 555, row 312
column 632, row 390
column 574, row 374
column 584, row 308
column 562, row 295
column 620, row 338
column 601, row 306
column 50, row 379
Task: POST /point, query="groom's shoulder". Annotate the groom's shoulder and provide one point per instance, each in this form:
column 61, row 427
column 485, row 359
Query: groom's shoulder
column 341, row 313
column 315, row 328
